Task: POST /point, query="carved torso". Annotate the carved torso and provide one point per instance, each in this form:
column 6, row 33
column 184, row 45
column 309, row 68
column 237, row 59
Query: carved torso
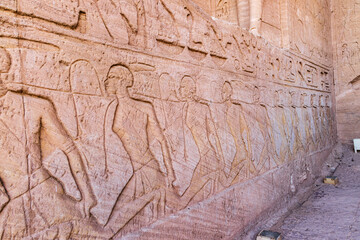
column 130, row 123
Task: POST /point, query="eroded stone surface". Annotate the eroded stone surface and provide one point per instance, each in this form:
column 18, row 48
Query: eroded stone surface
column 148, row 118
column 346, row 32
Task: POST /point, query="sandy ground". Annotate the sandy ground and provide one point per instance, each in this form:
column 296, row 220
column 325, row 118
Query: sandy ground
column 331, row 212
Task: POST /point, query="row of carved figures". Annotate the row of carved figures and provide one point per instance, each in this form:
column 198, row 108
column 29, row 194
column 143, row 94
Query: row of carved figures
column 203, row 147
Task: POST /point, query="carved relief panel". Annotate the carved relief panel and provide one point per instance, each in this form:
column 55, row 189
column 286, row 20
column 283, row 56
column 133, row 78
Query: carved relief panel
column 310, row 34
column 106, row 133
column 225, row 10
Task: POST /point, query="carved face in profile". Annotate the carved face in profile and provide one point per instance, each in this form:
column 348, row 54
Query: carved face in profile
column 277, row 98
column 327, row 101
column 292, row 99
column 303, row 100
column 5, row 61
column 118, row 79
column 321, row 101
column 226, row 91
column 313, row 101
column 187, row 88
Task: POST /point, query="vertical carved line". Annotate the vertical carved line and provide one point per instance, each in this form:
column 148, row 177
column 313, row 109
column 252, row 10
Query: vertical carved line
column 235, row 5
column 106, row 167
column 243, row 10
column 256, row 7
column 212, row 7
column 103, row 21
column 28, row 162
column 284, row 21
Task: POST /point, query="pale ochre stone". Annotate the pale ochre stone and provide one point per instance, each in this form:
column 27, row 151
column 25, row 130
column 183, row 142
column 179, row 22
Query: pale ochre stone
column 159, row 119
column 346, row 33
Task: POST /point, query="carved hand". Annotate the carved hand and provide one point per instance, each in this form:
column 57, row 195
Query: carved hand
column 170, row 179
column 89, row 203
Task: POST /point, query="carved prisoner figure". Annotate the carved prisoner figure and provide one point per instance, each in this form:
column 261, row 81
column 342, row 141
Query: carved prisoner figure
column 201, row 124
column 280, row 127
column 172, row 114
column 25, row 122
column 90, row 151
column 232, row 129
column 136, row 125
column 261, row 139
column 297, row 145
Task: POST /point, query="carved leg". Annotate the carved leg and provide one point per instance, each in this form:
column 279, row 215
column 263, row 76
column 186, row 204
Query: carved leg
column 162, row 203
column 226, row 181
column 155, row 203
column 125, row 212
column 65, row 231
column 197, row 183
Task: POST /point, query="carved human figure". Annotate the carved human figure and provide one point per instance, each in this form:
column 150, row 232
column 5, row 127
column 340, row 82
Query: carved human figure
column 299, row 108
column 233, row 134
column 107, row 161
column 171, row 115
column 323, row 121
column 262, row 143
column 297, row 146
column 312, row 123
column 280, row 126
column 37, row 202
column 199, row 120
column 329, row 122
column 316, row 121
column 308, row 140
column 136, row 125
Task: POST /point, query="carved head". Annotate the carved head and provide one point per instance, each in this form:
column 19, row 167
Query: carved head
column 187, row 88
column 321, row 101
column 227, row 91
column 292, row 99
column 303, row 100
column 168, row 87
column 5, row 60
column 279, row 98
column 313, row 102
column 119, row 78
column 327, row 101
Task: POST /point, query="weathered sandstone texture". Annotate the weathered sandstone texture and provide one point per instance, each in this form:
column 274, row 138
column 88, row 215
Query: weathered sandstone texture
column 149, row 119
column 346, row 45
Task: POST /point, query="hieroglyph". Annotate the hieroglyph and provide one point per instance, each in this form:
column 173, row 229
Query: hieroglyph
column 115, row 114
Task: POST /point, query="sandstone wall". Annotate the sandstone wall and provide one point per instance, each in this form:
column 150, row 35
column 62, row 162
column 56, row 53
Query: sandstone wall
column 346, row 33
column 148, row 119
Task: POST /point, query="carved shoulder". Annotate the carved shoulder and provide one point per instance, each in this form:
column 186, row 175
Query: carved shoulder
column 145, row 107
